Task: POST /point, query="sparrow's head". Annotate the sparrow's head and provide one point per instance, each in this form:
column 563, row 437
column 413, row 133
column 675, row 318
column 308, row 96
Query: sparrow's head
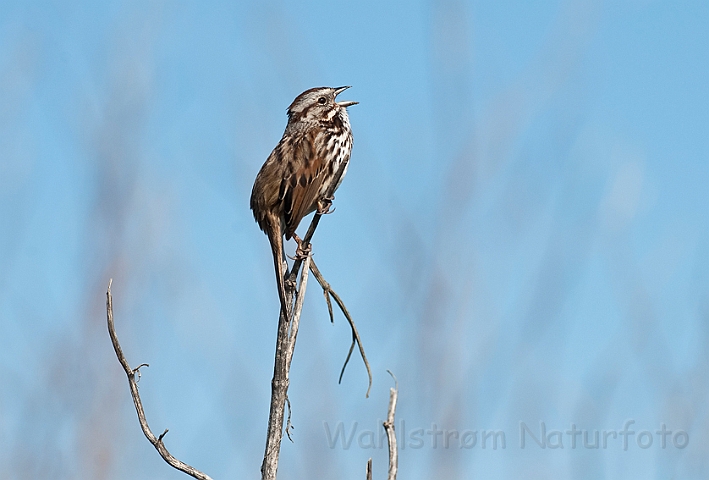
column 317, row 104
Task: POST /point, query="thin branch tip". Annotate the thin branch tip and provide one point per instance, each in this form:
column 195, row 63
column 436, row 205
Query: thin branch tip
column 137, row 369
column 396, row 382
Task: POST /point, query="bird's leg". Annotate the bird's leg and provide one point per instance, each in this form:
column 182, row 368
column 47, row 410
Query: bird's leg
column 324, row 205
column 302, row 251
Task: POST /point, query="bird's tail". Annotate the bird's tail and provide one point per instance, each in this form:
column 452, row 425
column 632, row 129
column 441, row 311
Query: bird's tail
column 275, row 238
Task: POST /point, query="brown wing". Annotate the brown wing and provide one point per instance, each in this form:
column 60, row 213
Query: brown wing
column 301, row 183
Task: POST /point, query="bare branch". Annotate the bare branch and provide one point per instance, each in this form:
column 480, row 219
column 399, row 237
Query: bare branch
column 327, row 292
column 389, row 428
column 391, row 434
column 279, row 389
column 285, row 345
column 157, row 442
column 295, row 322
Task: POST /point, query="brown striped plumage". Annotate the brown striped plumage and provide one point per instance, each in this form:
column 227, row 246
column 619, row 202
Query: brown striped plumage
column 293, row 182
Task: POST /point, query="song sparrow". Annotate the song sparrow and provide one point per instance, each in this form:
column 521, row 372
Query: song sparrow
column 295, row 179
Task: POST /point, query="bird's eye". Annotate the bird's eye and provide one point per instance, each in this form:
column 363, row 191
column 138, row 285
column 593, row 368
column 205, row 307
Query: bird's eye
column 322, row 100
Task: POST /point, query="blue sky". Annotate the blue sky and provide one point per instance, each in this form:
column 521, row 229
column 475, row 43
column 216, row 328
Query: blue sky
column 522, row 235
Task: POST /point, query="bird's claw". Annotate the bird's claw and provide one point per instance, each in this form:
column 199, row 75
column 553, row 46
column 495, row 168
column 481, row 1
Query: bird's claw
column 324, row 206
column 302, row 251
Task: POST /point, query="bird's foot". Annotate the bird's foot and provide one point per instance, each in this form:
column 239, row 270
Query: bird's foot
column 324, row 205
column 303, row 250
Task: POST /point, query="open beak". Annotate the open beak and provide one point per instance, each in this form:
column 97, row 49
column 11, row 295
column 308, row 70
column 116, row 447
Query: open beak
column 346, row 103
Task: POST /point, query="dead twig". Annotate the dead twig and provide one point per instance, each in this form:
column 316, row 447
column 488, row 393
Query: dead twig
column 285, row 345
column 389, row 428
column 157, row 442
column 328, row 292
column 391, row 434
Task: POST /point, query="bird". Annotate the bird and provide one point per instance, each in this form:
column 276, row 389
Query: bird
column 302, row 172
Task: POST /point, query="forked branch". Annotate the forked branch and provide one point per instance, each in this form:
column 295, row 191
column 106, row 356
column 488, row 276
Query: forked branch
column 131, row 373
